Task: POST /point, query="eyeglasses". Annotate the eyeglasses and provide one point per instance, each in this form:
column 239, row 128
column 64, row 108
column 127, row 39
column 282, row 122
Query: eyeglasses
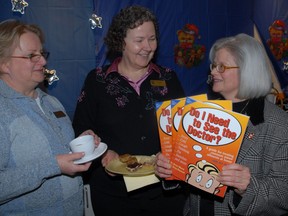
column 220, row 67
column 33, row 57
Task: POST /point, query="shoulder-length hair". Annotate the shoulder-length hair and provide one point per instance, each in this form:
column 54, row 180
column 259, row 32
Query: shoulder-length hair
column 255, row 68
column 10, row 33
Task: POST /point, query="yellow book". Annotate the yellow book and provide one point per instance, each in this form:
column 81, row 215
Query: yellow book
column 164, row 120
column 163, row 113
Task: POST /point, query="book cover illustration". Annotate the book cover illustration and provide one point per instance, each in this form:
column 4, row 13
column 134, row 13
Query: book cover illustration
column 209, row 137
column 169, row 114
column 177, row 106
column 163, row 113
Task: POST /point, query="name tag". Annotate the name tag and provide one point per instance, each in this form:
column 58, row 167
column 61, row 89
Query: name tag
column 158, row 83
column 59, row 114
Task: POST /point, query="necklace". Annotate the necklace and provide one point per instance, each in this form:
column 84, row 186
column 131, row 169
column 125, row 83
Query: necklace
column 244, row 108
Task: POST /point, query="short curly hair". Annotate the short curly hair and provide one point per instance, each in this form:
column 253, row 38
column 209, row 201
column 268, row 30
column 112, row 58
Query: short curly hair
column 128, row 18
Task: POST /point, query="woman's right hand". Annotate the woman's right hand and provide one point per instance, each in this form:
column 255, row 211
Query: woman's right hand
column 162, row 166
column 67, row 166
column 107, row 157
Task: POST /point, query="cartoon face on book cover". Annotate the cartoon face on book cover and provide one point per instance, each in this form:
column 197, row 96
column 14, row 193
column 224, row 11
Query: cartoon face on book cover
column 203, row 175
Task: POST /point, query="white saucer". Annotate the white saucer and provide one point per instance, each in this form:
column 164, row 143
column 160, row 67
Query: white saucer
column 102, row 147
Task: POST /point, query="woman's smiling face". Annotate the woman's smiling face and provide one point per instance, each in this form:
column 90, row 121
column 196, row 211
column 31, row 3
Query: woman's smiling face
column 21, row 73
column 140, row 45
column 226, row 83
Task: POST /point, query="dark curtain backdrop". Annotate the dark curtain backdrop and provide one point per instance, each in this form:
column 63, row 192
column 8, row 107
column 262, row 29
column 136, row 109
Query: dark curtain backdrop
column 75, row 48
column 265, row 13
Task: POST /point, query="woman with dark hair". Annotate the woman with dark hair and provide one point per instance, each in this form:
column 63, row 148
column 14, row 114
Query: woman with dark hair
column 118, row 102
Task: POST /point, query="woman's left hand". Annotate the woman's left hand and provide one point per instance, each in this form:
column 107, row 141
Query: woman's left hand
column 237, row 176
column 97, row 139
column 162, row 166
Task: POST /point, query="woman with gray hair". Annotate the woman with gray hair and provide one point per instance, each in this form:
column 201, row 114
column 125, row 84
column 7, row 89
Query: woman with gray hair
column 257, row 182
column 252, row 62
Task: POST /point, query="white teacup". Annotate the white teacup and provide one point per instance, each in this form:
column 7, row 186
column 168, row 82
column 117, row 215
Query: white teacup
column 84, row 144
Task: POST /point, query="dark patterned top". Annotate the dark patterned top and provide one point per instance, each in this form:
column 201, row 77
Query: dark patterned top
column 125, row 121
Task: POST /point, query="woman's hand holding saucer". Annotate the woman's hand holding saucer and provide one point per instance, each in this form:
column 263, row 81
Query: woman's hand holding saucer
column 67, row 165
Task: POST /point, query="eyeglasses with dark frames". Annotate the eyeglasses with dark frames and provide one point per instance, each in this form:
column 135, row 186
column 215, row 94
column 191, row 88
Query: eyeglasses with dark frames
column 221, row 68
column 34, row 57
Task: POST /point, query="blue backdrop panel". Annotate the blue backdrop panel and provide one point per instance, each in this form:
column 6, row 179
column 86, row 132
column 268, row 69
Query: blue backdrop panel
column 265, row 13
column 69, row 39
column 76, row 48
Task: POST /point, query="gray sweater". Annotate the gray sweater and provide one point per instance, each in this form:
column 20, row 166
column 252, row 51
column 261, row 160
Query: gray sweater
column 30, row 178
